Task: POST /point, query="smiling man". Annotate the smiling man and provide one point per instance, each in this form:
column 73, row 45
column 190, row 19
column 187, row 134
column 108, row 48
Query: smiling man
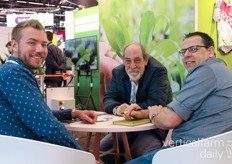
column 190, row 52
column 30, row 48
column 141, row 80
column 23, row 111
column 203, row 107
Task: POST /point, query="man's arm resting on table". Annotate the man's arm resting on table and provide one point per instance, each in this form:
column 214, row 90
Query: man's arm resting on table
column 63, row 114
column 163, row 117
column 68, row 114
column 85, row 115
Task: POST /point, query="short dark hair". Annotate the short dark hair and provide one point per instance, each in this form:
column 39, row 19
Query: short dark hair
column 145, row 54
column 206, row 39
column 49, row 35
column 8, row 44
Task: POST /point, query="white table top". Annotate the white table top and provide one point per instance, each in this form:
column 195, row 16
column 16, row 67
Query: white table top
column 104, row 124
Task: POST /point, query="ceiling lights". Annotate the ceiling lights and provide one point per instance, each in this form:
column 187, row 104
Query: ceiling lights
column 67, row 7
column 64, row 1
column 35, row 3
column 21, row 1
column 44, row 9
column 57, row 7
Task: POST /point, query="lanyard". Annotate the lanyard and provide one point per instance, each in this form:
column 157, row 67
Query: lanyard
column 12, row 61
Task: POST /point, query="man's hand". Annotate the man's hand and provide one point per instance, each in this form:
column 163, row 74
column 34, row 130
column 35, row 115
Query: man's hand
column 85, row 115
column 154, row 110
column 121, row 109
column 164, row 118
column 135, row 114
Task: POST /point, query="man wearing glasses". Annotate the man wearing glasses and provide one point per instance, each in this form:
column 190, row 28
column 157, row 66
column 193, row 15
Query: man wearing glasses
column 203, row 107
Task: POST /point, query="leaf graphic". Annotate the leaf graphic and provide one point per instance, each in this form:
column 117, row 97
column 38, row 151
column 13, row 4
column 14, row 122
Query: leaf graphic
column 229, row 150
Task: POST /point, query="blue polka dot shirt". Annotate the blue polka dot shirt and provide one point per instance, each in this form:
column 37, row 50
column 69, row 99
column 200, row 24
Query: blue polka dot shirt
column 23, row 111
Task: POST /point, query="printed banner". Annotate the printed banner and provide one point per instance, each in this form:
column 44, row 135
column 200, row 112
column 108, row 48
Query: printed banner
column 46, row 19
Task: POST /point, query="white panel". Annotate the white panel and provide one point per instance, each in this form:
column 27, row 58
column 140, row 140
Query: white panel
column 87, row 27
column 69, row 25
column 87, row 19
column 60, row 93
column 60, row 104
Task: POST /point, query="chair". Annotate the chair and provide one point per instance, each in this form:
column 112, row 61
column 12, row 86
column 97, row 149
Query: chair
column 212, row 150
column 168, row 139
column 14, row 150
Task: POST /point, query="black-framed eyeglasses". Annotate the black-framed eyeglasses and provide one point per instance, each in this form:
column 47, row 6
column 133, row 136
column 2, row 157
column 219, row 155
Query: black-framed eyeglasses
column 191, row 49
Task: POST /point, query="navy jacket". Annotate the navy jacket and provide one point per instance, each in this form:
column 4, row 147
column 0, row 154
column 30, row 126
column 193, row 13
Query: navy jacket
column 154, row 87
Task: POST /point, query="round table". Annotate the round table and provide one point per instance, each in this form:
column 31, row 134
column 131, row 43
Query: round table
column 105, row 124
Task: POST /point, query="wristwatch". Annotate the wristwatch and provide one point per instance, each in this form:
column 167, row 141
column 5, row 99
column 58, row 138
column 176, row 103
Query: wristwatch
column 115, row 110
column 155, row 114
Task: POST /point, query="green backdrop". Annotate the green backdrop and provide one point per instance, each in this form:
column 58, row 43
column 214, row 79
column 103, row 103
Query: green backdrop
column 84, row 80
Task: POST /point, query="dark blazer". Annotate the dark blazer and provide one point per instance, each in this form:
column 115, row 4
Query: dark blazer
column 154, row 87
column 55, row 61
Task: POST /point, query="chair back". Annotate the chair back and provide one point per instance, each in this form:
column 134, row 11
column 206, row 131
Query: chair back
column 14, row 150
column 168, row 139
column 212, row 150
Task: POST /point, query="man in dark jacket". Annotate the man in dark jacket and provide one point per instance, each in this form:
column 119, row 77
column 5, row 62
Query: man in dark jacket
column 140, row 80
column 55, row 63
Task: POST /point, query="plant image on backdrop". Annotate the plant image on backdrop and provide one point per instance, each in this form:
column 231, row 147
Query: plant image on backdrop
column 159, row 25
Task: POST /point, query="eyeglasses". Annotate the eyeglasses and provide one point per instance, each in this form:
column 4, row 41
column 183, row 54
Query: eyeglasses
column 191, row 49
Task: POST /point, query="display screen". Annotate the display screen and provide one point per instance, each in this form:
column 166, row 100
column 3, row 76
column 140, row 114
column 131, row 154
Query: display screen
column 81, row 52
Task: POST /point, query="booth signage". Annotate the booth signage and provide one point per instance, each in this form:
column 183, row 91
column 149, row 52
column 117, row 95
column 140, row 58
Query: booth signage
column 46, row 19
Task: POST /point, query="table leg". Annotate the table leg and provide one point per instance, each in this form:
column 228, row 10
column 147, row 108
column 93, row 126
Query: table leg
column 126, row 147
column 87, row 141
column 97, row 145
column 116, row 148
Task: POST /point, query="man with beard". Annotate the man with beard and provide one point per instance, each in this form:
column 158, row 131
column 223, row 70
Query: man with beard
column 140, row 80
column 23, row 111
column 203, row 107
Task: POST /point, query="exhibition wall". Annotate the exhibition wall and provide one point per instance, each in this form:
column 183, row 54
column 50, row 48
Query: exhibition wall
column 207, row 24
column 86, row 23
column 159, row 25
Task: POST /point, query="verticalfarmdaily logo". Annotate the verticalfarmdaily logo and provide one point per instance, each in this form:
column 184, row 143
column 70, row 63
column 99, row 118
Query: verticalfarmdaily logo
column 217, row 150
column 209, row 149
column 229, row 149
